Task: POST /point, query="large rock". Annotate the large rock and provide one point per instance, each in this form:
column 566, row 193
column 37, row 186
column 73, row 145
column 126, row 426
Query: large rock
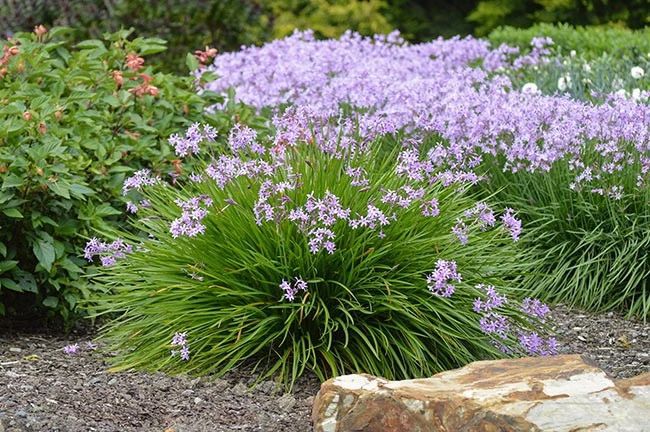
column 562, row 393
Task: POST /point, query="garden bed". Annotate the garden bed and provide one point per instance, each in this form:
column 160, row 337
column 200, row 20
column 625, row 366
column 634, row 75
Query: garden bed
column 46, row 389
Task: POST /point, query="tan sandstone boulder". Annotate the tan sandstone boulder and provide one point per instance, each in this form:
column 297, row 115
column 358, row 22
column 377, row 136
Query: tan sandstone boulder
column 561, row 393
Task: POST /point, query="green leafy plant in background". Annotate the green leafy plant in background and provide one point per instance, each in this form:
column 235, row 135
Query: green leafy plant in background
column 589, row 42
column 76, row 119
column 328, row 18
column 490, row 14
column 229, row 280
column 194, row 24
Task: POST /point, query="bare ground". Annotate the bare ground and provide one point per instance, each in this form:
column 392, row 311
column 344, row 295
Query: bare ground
column 44, row 389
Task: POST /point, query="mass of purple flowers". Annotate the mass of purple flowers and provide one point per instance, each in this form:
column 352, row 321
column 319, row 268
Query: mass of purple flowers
column 451, row 88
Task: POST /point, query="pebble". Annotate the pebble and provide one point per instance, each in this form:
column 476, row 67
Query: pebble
column 286, row 402
column 15, row 350
column 240, row 389
column 187, row 392
column 198, row 400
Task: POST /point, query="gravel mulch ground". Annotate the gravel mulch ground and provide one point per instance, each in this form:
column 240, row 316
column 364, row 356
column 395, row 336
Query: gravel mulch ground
column 43, row 389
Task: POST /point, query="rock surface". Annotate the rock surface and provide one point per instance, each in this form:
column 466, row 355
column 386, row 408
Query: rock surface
column 562, row 393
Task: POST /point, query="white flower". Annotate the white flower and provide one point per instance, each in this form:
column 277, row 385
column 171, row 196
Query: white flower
column 572, row 53
column 636, row 94
column 621, row 93
column 563, row 82
column 530, row 88
column 637, row 72
column 586, row 67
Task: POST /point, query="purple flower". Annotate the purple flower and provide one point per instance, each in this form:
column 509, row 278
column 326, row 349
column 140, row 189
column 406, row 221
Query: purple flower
column 430, row 208
column 483, row 214
column 185, row 353
column 493, row 299
column 108, row 253
column 71, row 349
column 495, row 324
column 290, row 290
column 534, row 308
column 438, row 282
column 138, row 180
column 190, row 143
column 242, row 137
column 131, row 208
column 461, row 231
column 179, row 339
column 511, row 223
column 358, row 176
column 193, row 211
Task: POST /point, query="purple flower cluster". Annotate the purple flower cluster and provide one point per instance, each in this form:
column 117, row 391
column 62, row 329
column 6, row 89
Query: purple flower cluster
column 133, row 208
column 482, row 214
column 494, row 299
column 290, row 290
column 108, row 253
column 493, row 323
column 403, row 197
column 430, row 208
column 138, row 180
column 317, row 217
column 534, row 344
column 512, row 224
column 242, row 138
column 71, row 349
column 190, row 143
column 228, row 168
column 496, row 324
column 358, row 176
column 189, row 223
column 535, row 308
column 439, row 282
column 180, row 340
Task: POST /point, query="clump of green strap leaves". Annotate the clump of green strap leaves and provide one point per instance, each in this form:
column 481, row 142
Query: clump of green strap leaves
column 366, row 309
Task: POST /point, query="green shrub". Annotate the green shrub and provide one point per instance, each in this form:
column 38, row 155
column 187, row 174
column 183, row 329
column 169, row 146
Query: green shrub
column 590, row 42
column 328, row 18
column 188, row 25
column 490, row 14
column 76, row 119
column 213, row 269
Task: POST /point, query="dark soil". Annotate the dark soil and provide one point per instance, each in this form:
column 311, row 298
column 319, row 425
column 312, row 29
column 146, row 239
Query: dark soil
column 43, row 389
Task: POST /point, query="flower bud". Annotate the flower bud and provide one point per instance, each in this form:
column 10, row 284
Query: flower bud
column 40, row 30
